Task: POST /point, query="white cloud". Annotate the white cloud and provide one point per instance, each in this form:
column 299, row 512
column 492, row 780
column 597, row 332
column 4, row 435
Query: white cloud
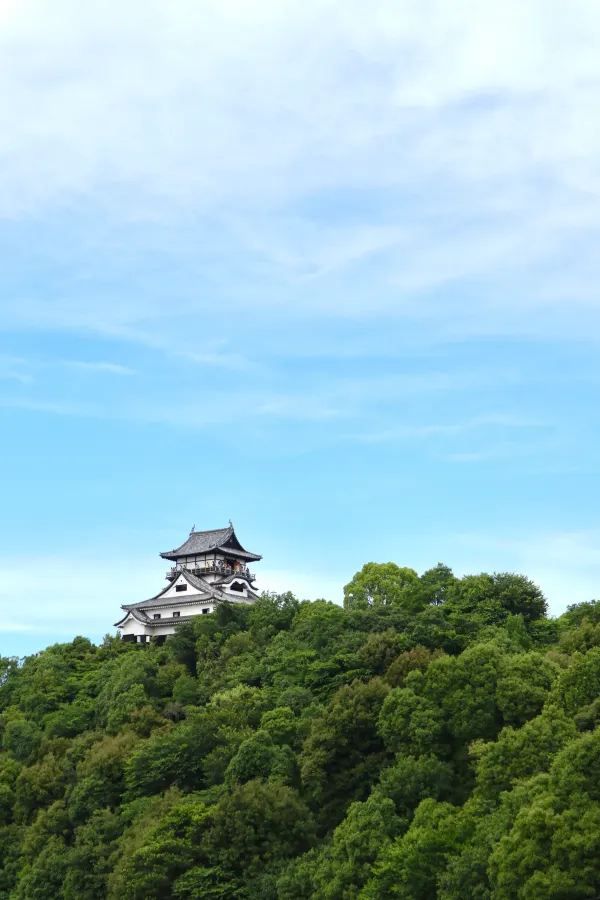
column 15, row 369
column 71, row 596
column 12, row 627
column 353, row 398
column 108, row 368
column 483, row 423
column 474, row 126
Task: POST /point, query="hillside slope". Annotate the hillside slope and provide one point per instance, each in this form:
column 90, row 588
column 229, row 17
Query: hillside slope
column 437, row 737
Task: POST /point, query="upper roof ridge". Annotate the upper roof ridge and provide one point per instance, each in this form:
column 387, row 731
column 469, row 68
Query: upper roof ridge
column 202, row 542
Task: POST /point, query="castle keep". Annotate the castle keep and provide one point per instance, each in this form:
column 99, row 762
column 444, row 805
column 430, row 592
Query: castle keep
column 208, row 568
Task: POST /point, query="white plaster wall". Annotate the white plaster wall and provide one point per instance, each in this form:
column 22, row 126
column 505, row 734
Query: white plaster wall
column 172, row 592
column 192, row 610
column 161, row 630
column 132, row 626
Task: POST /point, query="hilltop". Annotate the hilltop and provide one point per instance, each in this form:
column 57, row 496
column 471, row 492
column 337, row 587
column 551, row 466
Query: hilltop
column 436, row 737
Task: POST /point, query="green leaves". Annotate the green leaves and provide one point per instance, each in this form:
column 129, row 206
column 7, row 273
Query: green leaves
column 409, row 867
column 343, row 751
column 173, row 756
column 21, row 737
column 383, row 584
column 259, row 757
column 410, row 723
column 437, row 738
column 579, row 684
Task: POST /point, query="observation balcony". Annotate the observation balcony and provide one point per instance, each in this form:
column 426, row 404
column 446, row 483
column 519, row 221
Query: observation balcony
column 218, row 568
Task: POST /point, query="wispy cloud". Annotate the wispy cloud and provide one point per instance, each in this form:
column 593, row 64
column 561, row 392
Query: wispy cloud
column 108, row 368
column 422, row 146
column 485, row 422
column 343, row 397
column 320, row 250
column 220, row 359
column 51, row 407
column 58, row 586
column 13, row 368
column 12, row 627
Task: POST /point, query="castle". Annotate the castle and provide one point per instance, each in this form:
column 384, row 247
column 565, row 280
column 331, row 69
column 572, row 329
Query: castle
column 208, row 568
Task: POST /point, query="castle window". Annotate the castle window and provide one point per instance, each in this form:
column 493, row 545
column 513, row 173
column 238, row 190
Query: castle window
column 176, row 615
column 156, row 616
column 204, row 611
column 181, row 587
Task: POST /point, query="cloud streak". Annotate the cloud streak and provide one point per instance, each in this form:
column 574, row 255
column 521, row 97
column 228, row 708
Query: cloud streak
column 482, row 423
column 270, row 256
column 101, row 368
column 465, row 142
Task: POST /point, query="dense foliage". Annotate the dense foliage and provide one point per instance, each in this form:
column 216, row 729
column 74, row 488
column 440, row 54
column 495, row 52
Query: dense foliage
column 436, row 737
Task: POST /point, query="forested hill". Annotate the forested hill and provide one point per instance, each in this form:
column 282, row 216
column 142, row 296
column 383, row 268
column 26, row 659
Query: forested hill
column 437, row 737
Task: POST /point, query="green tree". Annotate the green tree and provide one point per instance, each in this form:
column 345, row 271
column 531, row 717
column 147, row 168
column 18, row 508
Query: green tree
column 437, row 584
column 418, row 658
column 257, row 825
column 91, row 858
column 463, row 688
column 520, row 753
column 21, row 738
column 411, row 779
column 170, row 757
column 523, row 685
column 163, row 842
column 383, row 584
column 410, row 723
column 100, row 779
column 436, row 738
column 259, row 757
column 44, row 877
column 579, row 684
column 409, row 867
column 37, row 786
column 345, row 865
column 492, row 598
column 342, row 753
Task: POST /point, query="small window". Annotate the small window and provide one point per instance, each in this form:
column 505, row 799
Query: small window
column 156, row 616
column 204, row 611
column 181, row 587
column 176, row 615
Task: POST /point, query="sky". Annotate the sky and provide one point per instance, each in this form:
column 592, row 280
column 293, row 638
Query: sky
column 329, row 270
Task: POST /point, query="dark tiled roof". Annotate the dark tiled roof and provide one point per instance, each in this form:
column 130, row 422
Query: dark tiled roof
column 236, row 577
column 156, row 623
column 186, row 600
column 196, row 581
column 204, row 592
column 200, row 542
column 138, row 615
column 146, row 620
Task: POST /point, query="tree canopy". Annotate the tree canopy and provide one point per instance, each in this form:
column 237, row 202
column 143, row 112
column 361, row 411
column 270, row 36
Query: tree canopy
column 435, row 737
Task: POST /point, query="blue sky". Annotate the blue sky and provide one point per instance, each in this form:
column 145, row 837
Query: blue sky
column 331, row 273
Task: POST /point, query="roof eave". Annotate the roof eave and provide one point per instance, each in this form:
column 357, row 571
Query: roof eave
column 173, row 556
column 197, row 600
column 132, row 613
